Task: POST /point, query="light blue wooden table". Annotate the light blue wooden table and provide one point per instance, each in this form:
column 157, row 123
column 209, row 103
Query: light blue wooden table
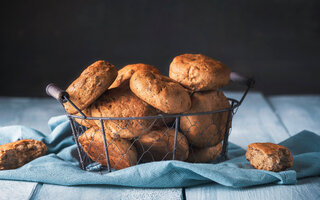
column 259, row 119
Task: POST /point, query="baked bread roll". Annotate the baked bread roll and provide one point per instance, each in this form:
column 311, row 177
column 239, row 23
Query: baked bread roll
column 158, row 145
column 159, row 91
column 86, row 122
column 203, row 155
column 164, row 121
column 206, row 130
column 126, row 72
column 121, row 102
column 121, row 153
column 16, row 154
column 199, row 72
column 269, row 156
column 88, row 87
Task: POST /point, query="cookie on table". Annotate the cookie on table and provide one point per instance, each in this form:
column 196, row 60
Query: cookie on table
column 203, row 155
column 121, row 153
column 209, row 129
column 199, row 72
column 16, row 154
column 158, row 145
column 269, row 156
column 121, row 102
column 92, row 82
column 127, row 71
column 160, row 91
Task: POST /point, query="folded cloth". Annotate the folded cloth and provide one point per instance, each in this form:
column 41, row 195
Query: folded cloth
column 60, row 165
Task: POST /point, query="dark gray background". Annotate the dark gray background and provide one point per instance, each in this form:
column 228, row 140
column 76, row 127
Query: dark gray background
column 277, row 42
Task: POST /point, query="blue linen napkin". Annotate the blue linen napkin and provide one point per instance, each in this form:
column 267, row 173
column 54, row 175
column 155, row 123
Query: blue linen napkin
column 61, row 167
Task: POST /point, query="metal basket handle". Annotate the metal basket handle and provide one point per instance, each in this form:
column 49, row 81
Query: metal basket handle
column 57, row 93
column 235, row 77
column 249, row 82
column 62, row 96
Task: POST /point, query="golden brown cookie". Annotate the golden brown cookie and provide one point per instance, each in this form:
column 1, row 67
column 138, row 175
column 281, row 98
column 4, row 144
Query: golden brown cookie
column 86, row 122
column 203, row 155
column 121, row 102
column 126, row 72
column 88, row 87
column 158, row 145
column 159, row 91
column 199, row 72
column 121, row 153
column 16, row 154
column 205, row 130
column 269, row 156
column 164, row 121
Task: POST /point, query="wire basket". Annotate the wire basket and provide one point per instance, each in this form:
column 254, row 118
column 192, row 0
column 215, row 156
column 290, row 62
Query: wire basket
column 153, row 138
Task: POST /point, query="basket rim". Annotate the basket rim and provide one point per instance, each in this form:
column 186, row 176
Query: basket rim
column 234, row 104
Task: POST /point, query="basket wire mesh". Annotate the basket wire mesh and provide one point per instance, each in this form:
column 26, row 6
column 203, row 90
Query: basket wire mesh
column 154, row 138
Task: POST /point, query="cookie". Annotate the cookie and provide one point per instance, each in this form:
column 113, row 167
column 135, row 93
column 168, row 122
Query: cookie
column 121, row 153
column 269, row 156
column 203, row 155
column 16, row 154
column 158, row 145
column 86, row 122
column 164, row 121
column 209, row 129
column 126, row 72
column 121, row 102
column 88, row 87
column 161, row 92
column 199, row 72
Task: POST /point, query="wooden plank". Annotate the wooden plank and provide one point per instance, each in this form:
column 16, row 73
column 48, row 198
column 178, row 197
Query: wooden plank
column 253, row 122
column 256, row 121
column 308, row 188
column 16, row 190
column 49, row 192
column 31, row 112
column 35, row 113
column 298, row 113
column 253, row 106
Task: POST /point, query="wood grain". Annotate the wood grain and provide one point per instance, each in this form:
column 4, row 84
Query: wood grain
column 257, row 121
column 53, row 192
column 306, row 189
column 254, row 121
column 13, row 190
column 35, row 113
column 298, row 113
column 31, row 112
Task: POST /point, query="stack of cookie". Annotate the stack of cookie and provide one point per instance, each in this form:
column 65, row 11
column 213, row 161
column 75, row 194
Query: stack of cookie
column 203, row 76
column 139, row 90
